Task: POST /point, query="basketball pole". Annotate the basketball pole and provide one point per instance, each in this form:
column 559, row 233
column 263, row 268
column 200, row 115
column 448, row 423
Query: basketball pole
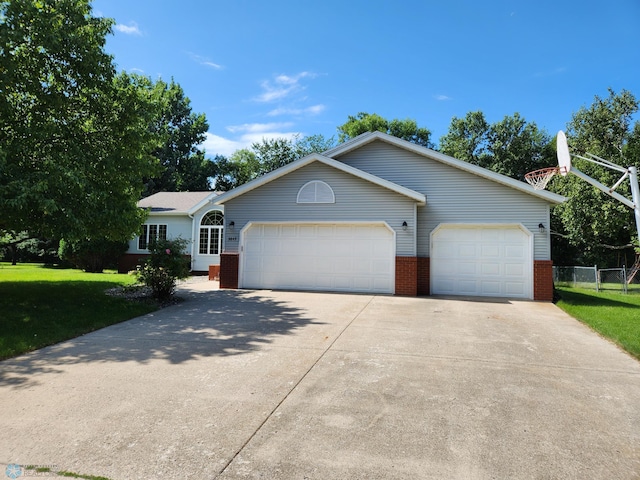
column 635, row 190
column 635, row 195
column 565, row 167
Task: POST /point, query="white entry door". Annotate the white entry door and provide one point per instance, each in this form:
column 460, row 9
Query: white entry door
column 324, row 257
column 482, row 260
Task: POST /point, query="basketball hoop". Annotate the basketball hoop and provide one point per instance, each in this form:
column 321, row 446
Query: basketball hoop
column 538, row 179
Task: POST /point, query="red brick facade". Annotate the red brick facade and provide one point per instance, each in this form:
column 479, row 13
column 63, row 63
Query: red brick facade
column 229, row 264
column 129, row 261
column 543, row 280
column 424, row 276
column 407, row 276
column 214, row 272
column 413, row 276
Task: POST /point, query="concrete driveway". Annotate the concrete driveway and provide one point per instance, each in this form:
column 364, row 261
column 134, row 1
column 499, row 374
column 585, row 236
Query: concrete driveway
column 242, row 384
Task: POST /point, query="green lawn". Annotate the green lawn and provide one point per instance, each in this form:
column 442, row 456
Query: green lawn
column 613, row 315
column 41, row 305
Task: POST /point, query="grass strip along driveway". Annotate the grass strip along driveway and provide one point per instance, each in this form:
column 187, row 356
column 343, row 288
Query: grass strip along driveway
column 45, row 305
column 615, row 316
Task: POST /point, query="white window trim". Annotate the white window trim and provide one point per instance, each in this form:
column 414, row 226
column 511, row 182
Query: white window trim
column 315, row 184
column 146, row 237
column 217, row 230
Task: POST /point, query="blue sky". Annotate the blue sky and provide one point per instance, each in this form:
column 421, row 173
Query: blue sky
column 282, row 67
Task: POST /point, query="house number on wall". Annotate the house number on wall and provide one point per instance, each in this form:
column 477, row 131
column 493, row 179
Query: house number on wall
column 232, row 239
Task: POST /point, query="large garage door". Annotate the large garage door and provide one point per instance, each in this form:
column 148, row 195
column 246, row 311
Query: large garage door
column 327, row 257
column 482, row 260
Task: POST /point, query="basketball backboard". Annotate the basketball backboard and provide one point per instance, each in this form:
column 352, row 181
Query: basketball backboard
column 564, row 157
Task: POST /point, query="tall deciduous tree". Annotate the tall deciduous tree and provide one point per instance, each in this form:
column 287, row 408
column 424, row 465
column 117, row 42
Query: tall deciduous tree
column 597, row 226
column 263, row 157
column 511, row 146
column 372, row 122
column 73, row 136
column 183, row 166
column 241, row 167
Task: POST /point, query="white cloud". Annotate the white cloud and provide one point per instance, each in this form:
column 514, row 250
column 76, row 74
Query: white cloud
column 258, row 127
column 204, row 61
column 249, row 134
column 131, row 29
column 442, row 98
column 313, row 110
column 217, row 145
column 282, row 86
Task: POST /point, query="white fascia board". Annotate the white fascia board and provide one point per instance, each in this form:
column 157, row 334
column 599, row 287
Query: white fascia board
column 202, row 203
column 368, row 137
column 282, row 171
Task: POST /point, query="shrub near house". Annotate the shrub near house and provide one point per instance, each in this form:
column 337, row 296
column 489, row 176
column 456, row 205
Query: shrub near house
column 165, row 265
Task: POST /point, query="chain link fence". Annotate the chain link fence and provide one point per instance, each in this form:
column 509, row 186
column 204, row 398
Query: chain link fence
column 617, row 279
column 584, row 277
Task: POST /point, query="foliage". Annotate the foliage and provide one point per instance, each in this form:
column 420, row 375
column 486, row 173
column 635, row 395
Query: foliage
column 183, row 166
column 13, row 242
column 165, row 265
column 241, row 167
column 512, row 146
column 613, row 315
column 41, row 306
column 267, row 155
column 92, row 255
column 601, row 228
column 372, row 122
column 74, row 135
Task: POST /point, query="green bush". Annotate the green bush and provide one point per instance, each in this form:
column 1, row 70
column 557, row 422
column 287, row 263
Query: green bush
column 92, row 255
column 165, row 265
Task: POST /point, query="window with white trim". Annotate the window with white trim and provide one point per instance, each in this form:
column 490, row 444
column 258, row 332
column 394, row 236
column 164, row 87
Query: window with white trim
column 211, row 231
column 149, row 233
column 316, row 191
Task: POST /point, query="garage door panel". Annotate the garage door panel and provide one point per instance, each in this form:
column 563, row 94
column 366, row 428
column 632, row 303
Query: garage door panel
column 488, row 269
column 514, row 270
column 466, row 268
column 467, row 250
column 482, row 260
column 491, row 289
column 515, row 288
column 338, row 257
column 513, row 251
column 489, row 236
column 492, row 251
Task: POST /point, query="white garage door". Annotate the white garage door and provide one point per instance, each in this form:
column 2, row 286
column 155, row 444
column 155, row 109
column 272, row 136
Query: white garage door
column 326, row 257
column 482, row 260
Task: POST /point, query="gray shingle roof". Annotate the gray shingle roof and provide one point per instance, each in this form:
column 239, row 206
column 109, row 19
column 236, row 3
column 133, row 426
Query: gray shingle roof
column 174, row 202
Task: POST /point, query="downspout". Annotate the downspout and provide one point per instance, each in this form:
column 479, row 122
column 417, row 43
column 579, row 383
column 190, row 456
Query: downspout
column 193, row 240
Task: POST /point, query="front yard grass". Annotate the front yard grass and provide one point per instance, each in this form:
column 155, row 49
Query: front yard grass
column 41, row 305
column 615, row 316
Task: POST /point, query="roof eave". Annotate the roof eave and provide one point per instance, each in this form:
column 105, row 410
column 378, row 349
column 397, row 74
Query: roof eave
column 269, row 177
column 369, row 137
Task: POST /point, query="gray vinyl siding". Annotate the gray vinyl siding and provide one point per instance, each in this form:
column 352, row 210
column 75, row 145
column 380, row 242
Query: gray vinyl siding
column 356, row 200
column 453, row 195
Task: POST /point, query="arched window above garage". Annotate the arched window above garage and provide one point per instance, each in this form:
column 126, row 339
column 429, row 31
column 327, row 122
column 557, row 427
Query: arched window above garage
column 316, row 191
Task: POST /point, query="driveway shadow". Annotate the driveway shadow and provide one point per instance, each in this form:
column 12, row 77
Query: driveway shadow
column 211, row 323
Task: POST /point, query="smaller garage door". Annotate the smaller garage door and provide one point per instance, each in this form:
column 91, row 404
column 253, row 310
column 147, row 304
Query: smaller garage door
column 325, row 257
column 483, row 260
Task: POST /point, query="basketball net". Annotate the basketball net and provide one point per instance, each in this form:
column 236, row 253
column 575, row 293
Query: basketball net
column 538, row 179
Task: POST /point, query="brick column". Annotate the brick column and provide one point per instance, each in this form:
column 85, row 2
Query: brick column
column 229, row 263
column 543, row 280
column 407, row 276
column 424, row 276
